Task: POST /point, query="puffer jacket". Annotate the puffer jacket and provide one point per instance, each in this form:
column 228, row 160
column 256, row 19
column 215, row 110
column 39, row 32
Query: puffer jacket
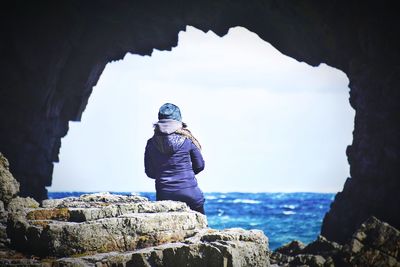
column 172, row 160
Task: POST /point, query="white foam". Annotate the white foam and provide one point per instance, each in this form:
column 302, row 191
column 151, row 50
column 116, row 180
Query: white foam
column 289, row 212
column 246, row 201
column 292, row 207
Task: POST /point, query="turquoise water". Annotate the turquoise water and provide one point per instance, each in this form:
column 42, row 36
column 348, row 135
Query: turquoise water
column 282, row 216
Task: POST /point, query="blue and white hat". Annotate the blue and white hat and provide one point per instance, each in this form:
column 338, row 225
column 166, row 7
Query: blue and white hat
column 169, row 111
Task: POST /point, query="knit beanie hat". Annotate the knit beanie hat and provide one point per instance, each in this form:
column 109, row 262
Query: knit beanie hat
column 169, row 111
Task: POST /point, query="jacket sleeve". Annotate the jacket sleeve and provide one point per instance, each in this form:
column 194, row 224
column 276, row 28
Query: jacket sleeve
column 197, row 159
column 148, row 166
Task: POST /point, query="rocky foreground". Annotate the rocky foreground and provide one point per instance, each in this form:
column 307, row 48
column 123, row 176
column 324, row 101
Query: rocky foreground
column 375, row 243
column 113, row 230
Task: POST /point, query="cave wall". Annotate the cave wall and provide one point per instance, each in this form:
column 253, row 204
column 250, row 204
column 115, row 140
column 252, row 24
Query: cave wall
column 53, row 53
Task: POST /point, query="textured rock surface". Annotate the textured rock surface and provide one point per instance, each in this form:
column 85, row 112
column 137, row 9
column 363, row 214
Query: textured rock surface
column 13, row 206
column 9, row 187
column 127, row 231
column 21, row 203
column 101, row 223
column 292, row 248
column 53, row 52
column 171, row 233
column 375, row 243
column 231, row 247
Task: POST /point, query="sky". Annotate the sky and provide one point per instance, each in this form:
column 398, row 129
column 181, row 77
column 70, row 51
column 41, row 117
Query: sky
column 266, row 122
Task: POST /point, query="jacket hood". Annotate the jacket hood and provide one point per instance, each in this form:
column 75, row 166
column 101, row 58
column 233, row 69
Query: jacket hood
column 165, row 139
column 167, row 126
column 168, row 143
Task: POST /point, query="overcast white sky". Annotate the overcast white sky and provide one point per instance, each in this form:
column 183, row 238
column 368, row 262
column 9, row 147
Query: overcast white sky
column 267, row 123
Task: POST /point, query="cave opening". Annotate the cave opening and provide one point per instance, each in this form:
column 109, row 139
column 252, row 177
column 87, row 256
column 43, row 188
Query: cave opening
column 267, row 122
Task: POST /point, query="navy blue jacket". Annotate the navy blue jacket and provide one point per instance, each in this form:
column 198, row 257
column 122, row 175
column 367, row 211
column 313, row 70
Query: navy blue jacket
column 172, row 160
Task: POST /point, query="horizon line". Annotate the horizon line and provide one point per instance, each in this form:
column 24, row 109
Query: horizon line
column 208, row 192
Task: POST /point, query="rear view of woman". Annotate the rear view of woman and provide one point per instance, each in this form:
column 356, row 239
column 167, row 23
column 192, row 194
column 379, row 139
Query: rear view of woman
column 173, row 157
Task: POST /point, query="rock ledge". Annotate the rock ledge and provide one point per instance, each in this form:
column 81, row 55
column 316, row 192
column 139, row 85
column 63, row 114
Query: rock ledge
column 104, row 229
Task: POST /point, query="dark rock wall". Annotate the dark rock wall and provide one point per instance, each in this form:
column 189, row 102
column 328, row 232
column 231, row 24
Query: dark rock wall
column 53, row 52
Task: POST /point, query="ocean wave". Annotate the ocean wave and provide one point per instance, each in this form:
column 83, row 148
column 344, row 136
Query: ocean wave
column 210, row 197
column 292, row 207
column 225, row 218
column 288, row 212
column 220, row 212
column 246, row 201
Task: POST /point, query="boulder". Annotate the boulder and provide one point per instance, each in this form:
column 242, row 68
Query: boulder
column 21, row 204
column 375, row 243
column 9, row 187
column 308, row 260
column 127, row 232
column 322, row 246
column 100, row 223
column 292, row 248
column 230, row 247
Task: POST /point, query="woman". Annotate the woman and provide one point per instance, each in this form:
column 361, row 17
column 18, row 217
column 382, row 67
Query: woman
column 173, row 157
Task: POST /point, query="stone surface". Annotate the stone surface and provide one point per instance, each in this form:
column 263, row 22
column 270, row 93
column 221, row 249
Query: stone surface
column 308, row 260
column 91, row 200
column 292, row 248
column 21, row 203
column 4, row 241
column 100, row 205
column 13, row 258
column 115, row 230
column 3, row 213
column 9, row 187
column 127, row 232
column 104, row 229
column 100, row 223
column 322, row 246
column 231, row 247
column 375, row 243
column 53, row 53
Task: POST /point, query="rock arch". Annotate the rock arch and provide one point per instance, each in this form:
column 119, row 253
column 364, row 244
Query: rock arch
column 52, row 54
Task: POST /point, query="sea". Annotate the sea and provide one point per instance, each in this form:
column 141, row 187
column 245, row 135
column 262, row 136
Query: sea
column 282, row 217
